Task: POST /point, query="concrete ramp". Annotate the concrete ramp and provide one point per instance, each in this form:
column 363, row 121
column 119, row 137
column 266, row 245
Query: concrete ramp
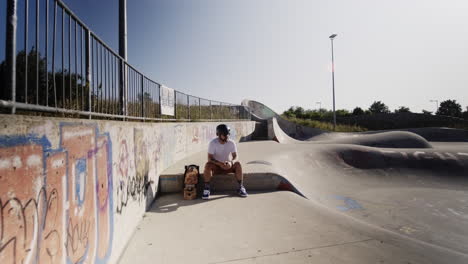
column 279, row 135
column 415, row 137
column 389, row 139
column 263, row 112
column 406, row 205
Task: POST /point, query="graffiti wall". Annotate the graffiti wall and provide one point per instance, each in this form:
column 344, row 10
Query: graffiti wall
column 55, row 203
column 73, row 191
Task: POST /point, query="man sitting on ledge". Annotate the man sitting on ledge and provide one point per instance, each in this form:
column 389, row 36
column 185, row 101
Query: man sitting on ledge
column 219, row 162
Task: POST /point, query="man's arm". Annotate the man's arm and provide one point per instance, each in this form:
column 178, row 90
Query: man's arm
column 225, row 165
column 234, row 157
column 234, row 153
column 211, row 159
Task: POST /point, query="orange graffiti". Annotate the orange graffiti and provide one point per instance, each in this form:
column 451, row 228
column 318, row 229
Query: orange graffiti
column 55, row 205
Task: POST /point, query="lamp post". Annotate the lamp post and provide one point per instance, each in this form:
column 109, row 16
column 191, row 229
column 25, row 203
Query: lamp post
column 437, row 105
column 320, row 105
column 123, row 29
column 332, row 37
column 123, row 54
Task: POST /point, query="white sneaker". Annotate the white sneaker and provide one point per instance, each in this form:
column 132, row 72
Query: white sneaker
column 206, row 194
column 242, row 192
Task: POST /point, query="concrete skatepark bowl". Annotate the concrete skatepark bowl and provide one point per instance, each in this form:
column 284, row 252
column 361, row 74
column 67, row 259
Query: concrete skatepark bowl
column 75, row 191
column 389, row 197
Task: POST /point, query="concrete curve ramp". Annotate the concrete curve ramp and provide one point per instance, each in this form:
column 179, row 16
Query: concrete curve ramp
column 402, row 191
column 389, row 139
column 303, row 133
column 291, row 129
column 285, row 131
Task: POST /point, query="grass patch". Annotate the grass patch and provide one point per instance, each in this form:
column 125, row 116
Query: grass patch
column 326, row 126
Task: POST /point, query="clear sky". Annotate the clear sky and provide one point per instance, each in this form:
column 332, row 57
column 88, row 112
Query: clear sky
column 277, row 51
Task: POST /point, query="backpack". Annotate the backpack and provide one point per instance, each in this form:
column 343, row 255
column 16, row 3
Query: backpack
column 191, row 175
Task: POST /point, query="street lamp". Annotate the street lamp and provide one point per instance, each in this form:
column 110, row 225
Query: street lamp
column 320, row 105
column 437, row 105
column 332, row 37
column 123, row 53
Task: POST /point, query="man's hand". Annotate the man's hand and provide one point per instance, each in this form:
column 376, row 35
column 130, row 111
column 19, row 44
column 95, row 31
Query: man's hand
column 226, row 165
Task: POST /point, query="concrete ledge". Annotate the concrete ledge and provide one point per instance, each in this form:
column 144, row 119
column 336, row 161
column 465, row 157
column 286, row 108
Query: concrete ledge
column 256, row 181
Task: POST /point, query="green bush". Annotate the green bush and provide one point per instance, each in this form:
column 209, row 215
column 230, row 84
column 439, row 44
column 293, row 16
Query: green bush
column 326, row 126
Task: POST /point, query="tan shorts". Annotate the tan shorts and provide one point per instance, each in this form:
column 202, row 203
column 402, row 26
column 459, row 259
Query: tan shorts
column 217, row 169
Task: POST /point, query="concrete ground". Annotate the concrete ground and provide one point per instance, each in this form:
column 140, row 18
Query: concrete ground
column 363, row 205
column 279, row 227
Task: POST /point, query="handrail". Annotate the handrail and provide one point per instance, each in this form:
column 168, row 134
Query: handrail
column 83, row 76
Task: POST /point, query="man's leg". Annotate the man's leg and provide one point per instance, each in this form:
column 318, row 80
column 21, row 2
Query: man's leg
column 208, row 172
column 237, row 167
column 207, row 175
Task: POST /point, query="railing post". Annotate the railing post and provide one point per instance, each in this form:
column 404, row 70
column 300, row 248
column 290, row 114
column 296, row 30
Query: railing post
column 188, row 106
column 10, row 50
column 175, row 105
column 88, row 70
column 123, row 88
column 211, row 111
column 142, row 97
column 160, row 106
column 37, row 52
column 199, row 108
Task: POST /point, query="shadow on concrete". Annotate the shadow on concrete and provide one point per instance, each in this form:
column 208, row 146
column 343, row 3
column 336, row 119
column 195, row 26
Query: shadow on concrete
column 441, row 163
column 167, row 203
column 150, row 197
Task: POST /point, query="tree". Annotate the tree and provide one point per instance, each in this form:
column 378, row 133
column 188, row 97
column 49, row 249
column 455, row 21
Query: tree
column 342, row 112
column 358, row 111
column 308, row 114
column 378, row 108
column 289, row 113
column 403, row 109
column 465, row 114
column 450, row 108
column 299, row 112
column 426, row 112
column 62, row 94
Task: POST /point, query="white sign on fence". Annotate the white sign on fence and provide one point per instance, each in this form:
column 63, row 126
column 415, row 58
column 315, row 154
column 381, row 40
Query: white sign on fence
column 167, row 101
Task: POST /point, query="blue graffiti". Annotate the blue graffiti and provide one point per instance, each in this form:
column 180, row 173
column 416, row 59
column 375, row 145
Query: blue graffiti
column 80, row 180
column 350, row 204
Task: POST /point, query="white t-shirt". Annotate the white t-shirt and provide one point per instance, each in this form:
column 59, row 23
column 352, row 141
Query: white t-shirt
column 220, row 151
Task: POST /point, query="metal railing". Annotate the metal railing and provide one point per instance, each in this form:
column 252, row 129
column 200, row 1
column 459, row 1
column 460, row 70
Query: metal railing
column 70, row 70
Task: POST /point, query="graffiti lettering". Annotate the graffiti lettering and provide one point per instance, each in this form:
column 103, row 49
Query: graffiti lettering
column 49, row 211
column 135, row 186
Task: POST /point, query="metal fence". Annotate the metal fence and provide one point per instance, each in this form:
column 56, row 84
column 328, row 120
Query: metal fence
column 55, row 63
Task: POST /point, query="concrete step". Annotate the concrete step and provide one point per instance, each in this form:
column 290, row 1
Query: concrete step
column 257, row 181
column 260, row 138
